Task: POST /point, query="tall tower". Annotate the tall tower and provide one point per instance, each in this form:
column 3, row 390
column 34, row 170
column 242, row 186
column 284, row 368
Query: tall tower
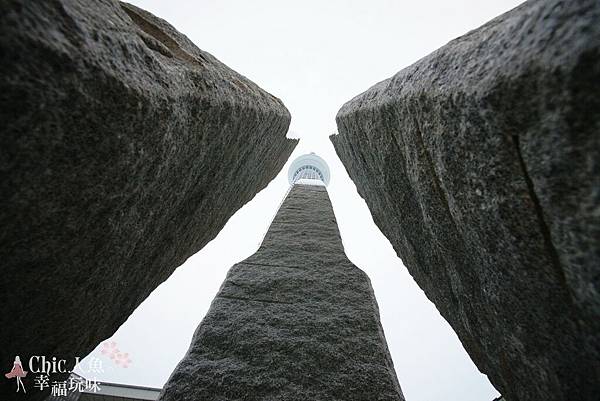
column 296, row 320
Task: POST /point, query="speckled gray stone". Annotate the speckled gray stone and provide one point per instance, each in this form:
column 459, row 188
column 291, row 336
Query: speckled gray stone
column 480, row 163
column 295, row 321
column 124, row 149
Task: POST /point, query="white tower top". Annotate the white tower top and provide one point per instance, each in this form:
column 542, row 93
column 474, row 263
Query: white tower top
column 309, row 169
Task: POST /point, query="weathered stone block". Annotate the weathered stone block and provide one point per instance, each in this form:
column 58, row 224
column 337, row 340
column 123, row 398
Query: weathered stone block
column 480, row 163
column 124, row 149
column 295, row 321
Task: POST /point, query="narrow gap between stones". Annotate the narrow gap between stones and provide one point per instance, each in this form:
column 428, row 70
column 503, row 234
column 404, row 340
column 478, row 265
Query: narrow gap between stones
column 268, row 301
column 268, row 265
column 552, row 252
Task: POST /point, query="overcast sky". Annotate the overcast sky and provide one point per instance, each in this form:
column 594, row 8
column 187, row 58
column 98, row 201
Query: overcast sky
column 314, row 55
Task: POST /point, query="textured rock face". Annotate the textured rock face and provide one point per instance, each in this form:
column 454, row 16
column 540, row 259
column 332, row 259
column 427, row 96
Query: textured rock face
column 480, row 164
column 124, row 149
column 295, row 321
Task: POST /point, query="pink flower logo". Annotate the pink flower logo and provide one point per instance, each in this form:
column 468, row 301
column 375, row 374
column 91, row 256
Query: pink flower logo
column 109, row 348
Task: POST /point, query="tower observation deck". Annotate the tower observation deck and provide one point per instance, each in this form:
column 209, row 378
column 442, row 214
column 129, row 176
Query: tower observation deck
column 309, row 169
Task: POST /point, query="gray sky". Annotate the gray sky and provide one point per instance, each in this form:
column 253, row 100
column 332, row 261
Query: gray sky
column 314, row 55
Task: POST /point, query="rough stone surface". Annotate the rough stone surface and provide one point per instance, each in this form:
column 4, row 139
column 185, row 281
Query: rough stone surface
column 124, row 149
column 295, row 321
column 480, row 163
